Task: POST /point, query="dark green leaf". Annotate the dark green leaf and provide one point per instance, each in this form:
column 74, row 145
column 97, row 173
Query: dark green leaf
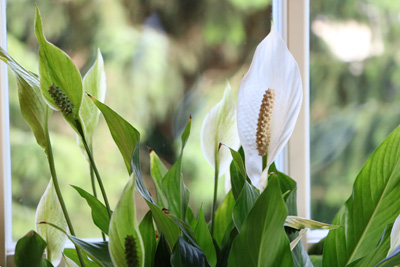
column 184, row 255
column 29, row 251
column 125, row 245
column 99, row 211
column 369, row 209
column 262, row 240
column 163, row 253
column 33, row 107
column 148, row 234
column 204, row 239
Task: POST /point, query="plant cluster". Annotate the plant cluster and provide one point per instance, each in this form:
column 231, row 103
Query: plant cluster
column 255, row 225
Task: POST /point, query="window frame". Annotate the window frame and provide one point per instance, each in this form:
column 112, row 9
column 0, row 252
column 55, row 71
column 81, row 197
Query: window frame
column 291, row 19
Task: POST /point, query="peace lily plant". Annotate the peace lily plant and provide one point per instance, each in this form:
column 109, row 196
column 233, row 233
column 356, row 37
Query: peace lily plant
column 255, row 225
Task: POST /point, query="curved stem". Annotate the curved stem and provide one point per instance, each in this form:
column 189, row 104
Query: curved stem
column 50, row 157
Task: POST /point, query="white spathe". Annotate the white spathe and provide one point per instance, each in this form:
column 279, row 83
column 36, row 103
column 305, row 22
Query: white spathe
column 273, row 67
column 394, row 236
column 219, row 126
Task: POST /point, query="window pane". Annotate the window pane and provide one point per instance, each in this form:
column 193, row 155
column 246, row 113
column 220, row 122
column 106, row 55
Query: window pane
column 354, row 67
column 163, row 60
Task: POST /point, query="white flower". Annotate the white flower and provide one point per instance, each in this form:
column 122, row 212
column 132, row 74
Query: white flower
column 219, row 126
column 394, row 236
column 269, row 101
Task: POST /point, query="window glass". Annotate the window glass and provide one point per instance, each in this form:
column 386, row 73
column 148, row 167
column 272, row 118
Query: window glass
column 164, row 60
column 355, row 92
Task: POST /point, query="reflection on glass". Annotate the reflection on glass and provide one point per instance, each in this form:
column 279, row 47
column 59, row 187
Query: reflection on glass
column 355, row 92
column 163, row 60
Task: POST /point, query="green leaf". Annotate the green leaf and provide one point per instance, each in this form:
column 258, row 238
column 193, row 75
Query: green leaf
column 49, row 210
column 94, row 83
column 125, row 135
column 244, row 204
column 165, row 225
column 158, row 171
column 223, row 218
column 262, row 240
column 148, row 234
column 370, row 208
column 302, row 223
column 126, row 245
column 97, row 251
column 33, row 107
column 175, row 190
column 99, row 211
column 163, row 253
column 204, row 239
column 184, row 254
column 71, row 254
column 56, row 67
column 29, row 251
column 69, row 263
column 378, row 255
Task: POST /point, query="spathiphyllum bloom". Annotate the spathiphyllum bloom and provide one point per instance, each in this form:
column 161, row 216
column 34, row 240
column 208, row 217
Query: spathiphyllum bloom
column 219, row 126
column 269, row 101
column 394, row 236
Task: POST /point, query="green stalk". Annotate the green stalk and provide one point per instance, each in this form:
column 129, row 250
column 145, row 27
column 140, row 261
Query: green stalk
column 216, row 174
column 50, row 157
column 264, row 161
column 93, row 166
column 92, row 181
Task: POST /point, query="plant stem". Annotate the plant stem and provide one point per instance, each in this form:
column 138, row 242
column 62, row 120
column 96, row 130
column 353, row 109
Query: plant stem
column 92, row 181
column 216, row 174
column 50, row 157
column 93, row 166
column 264, row 161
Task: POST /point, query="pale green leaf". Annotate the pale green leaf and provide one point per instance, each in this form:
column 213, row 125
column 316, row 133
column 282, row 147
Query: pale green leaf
column 56, row 67
column 302, row 223
column 126, row 245
column 49, row 210
column 204, row 239
column 158, row 171
column 33, row 107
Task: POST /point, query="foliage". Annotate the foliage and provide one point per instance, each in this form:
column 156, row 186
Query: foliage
column 251, row 227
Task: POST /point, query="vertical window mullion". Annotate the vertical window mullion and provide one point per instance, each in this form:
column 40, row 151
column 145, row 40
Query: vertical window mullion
column 5, row 169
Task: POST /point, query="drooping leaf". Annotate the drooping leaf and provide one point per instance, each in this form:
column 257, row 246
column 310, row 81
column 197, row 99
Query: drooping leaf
column 262, row 240
column 175, row 190
column 158, row 171
column 184, row 254
column 56, row 67
column 369, row 209
column 223, row 219
column 29, row 251
column 204, row 239
column 49, row 210
column 219, row 126
column 94, row 83
column 299, row 253
column 96, row 251
column 126, row 245
column 33, row 107
column 148, row 234
column 99, row 211
column 244, row 204
column 302, row 223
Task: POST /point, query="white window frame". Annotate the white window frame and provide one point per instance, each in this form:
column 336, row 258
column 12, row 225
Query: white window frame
column 291, row 19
